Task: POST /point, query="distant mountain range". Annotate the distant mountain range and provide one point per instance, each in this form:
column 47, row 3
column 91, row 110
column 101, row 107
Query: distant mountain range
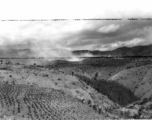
column 122, row 51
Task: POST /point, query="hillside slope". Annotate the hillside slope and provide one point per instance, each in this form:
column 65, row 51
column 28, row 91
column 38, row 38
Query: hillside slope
column 31, row 91
column 138, row 79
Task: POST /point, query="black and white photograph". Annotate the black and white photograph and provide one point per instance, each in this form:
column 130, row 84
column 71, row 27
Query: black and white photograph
column 75, row 60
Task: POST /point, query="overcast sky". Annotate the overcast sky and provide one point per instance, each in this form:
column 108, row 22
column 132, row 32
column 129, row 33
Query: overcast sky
column 71, row 34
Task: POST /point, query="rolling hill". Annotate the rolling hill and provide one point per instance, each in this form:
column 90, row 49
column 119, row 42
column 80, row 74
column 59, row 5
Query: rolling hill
column 137, row 79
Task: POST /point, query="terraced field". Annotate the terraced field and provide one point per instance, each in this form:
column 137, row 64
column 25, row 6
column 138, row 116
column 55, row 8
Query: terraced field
column 37, row 103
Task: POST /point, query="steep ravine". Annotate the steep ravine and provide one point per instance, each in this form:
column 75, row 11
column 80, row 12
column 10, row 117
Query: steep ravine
column 113, row 90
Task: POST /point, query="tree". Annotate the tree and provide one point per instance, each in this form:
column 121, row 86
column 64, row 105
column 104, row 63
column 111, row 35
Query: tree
column 96, row 76
column 72, row 73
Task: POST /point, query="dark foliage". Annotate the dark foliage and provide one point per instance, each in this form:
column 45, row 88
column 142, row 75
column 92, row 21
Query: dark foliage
column 105, row 62
column 115, row 92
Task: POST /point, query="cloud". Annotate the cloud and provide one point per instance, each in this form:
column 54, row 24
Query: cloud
column 127, row 31
column 109, row 28
column 131, row 43
column 58, row 38
column 41, row 38
column 45, row 39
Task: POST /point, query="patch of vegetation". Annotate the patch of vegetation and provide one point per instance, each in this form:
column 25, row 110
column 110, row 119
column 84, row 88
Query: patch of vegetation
column 105, row 62
column 115, row 91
